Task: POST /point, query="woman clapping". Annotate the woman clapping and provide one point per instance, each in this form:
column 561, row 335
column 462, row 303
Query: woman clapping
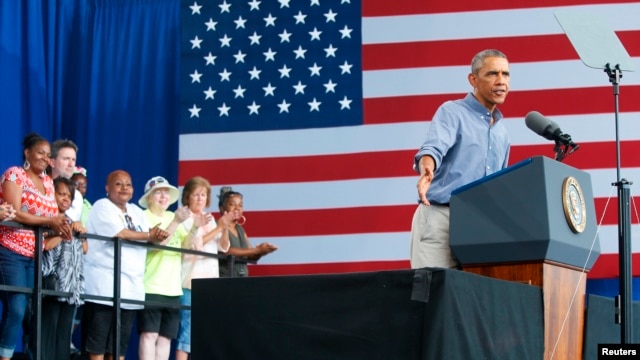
column 30, row 191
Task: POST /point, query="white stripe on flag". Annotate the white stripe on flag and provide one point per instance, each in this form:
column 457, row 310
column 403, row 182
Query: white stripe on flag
column 453, row 79
column 521, row 22
column 371, row 192
column 409, row 135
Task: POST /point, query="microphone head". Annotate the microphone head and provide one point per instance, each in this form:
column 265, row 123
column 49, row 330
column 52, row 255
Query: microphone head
column 541, row 125
column 536, row 122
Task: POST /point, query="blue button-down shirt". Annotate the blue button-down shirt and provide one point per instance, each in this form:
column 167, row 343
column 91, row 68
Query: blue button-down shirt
column 464, row 145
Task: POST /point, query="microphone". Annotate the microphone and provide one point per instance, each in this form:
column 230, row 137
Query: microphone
column 548, row 129
column 542, row 126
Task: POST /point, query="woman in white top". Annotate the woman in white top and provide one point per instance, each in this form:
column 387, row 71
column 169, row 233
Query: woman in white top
column 114, row 216
column 200, row 232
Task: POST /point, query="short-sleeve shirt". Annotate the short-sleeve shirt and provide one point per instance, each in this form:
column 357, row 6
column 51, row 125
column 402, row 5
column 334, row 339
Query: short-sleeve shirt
column 162, row 274
column 22, row 241
column 108, row 220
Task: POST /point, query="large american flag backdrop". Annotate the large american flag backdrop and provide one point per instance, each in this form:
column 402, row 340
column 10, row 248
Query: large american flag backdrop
column 313, row 109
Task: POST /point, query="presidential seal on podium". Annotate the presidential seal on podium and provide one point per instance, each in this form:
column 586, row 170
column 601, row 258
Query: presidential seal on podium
column 573, row 203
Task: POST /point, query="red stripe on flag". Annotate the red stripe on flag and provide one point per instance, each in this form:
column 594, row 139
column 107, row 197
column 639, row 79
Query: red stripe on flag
column 365, row 219
column 611, row 215
column 592, row 155
column 327, row 268
column 308, row 168
column 355, row 220
column 372, row 8
column 424, row 54
column 592, row 100
column 608, row 265
column 379, row 164
column 421, row 54
column 605, row 267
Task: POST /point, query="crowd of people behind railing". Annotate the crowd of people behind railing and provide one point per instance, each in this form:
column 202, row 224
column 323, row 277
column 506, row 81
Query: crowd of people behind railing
column 49, row 191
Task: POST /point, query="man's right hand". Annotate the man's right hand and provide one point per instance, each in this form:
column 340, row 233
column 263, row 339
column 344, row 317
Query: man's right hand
column 423, row 185
column 426, row 166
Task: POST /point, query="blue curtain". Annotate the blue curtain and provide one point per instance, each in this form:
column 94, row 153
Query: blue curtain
column 104, row 73
column 23, row 104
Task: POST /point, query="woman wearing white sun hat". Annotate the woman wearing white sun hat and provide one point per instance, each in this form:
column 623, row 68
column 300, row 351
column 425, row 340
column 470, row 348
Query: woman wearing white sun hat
column 162, row 277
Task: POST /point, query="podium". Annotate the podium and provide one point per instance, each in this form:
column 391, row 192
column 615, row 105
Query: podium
column 534, row 223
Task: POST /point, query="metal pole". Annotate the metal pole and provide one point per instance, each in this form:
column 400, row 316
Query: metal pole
column 117, row 267
column 624, row 304
column 36, row 297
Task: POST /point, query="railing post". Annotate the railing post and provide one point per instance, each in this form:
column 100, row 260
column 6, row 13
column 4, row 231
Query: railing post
column 35, row 323
column 117, row 267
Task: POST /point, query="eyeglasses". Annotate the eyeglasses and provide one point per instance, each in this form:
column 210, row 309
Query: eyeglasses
column 129, row 221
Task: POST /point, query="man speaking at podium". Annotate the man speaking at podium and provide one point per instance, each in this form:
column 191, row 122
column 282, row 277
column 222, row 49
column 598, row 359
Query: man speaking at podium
column 465, row 142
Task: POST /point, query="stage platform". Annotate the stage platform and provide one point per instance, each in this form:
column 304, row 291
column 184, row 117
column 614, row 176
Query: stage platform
column 408, row 314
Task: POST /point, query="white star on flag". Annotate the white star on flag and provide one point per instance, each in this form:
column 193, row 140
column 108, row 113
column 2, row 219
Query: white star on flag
column 195, row 111
column 195, row 8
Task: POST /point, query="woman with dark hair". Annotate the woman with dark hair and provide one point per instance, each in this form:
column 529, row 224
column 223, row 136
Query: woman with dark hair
column 231, row 202
column 63, row 263
column 79, row 179
column 29, row 190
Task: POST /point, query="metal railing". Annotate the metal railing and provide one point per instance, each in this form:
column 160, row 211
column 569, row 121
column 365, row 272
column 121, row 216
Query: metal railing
column 37, row 293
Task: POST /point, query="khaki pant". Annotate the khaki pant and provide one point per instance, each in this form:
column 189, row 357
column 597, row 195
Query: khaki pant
column 430, row 238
